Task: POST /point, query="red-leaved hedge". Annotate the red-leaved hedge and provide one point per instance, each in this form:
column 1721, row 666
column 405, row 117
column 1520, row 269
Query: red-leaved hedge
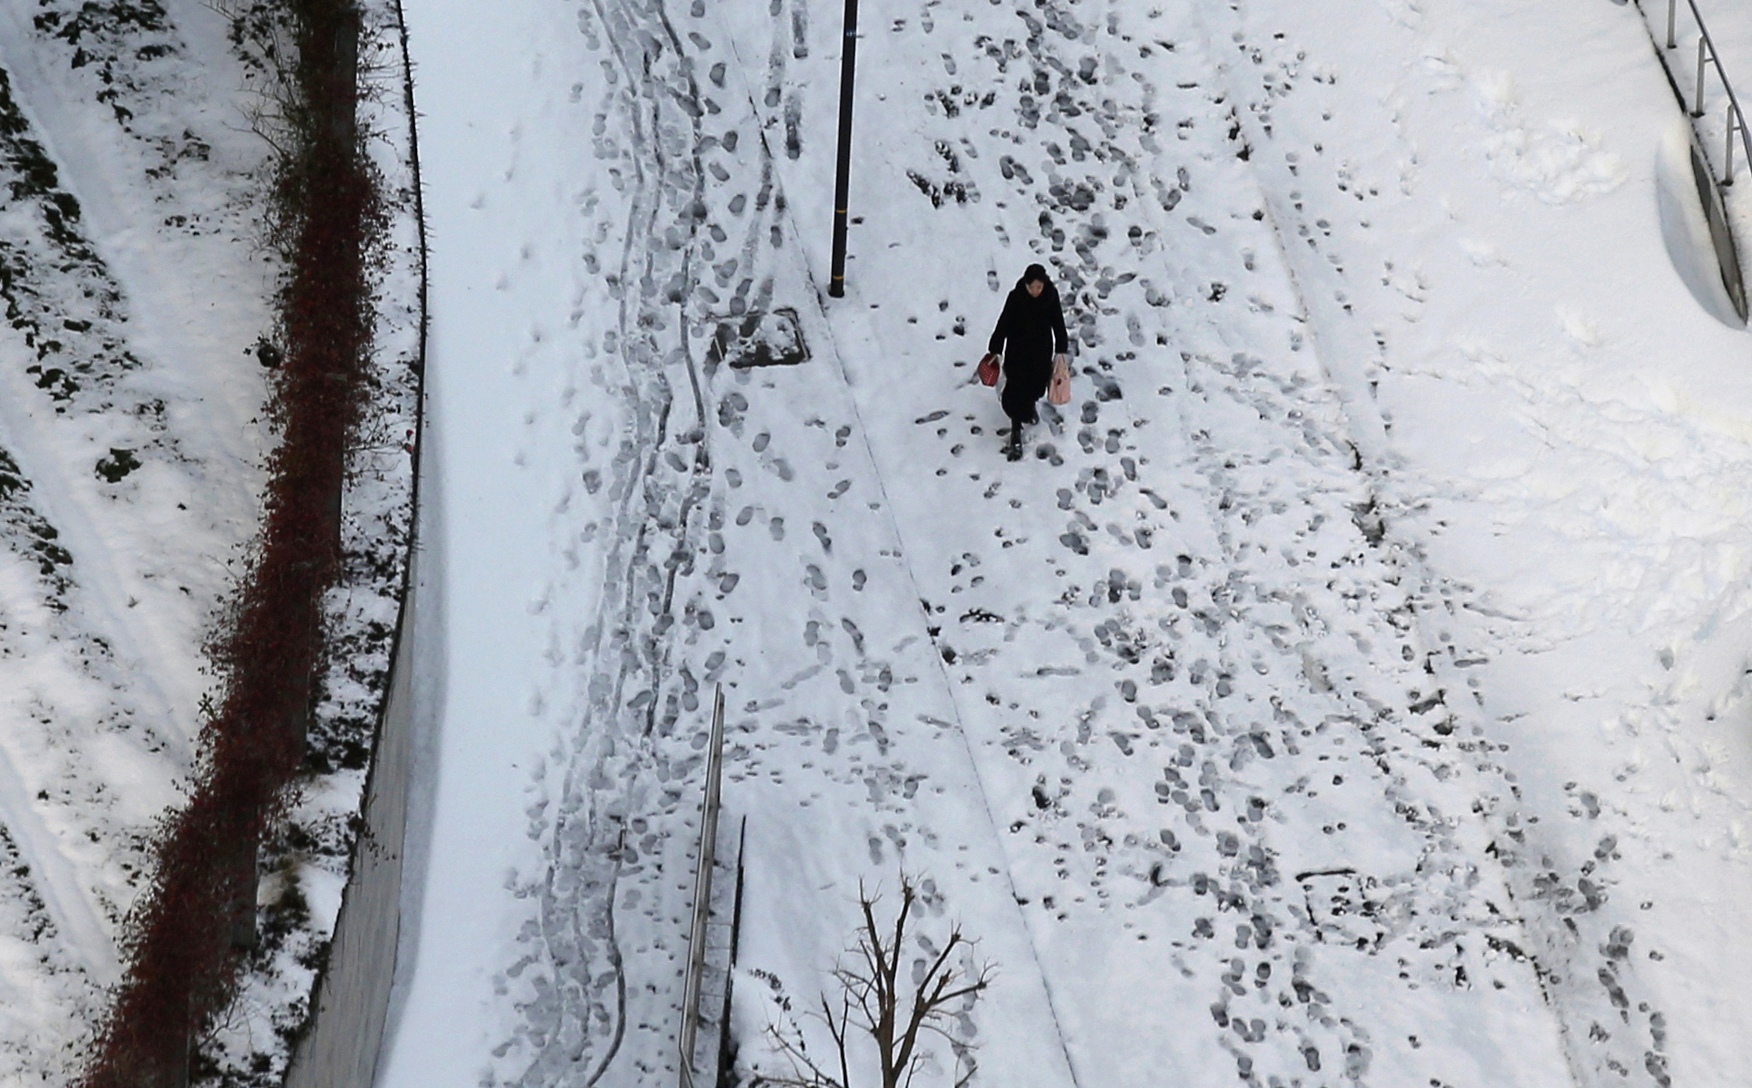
column 182, row 965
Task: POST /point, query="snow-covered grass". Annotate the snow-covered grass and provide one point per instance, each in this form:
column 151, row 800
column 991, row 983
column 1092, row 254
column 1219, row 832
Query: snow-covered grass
column 134, row 287
column 138, row 277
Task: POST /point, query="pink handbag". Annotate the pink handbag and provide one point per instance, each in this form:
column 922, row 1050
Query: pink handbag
column 1059, row 391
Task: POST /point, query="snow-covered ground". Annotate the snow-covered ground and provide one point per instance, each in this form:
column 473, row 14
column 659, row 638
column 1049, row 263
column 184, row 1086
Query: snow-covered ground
column 1349, row 687
column 135, row 285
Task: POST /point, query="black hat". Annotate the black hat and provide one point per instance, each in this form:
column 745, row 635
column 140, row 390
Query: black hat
column 1036, row 272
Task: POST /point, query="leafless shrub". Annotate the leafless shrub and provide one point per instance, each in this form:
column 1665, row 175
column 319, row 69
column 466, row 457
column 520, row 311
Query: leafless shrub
column 888, row 999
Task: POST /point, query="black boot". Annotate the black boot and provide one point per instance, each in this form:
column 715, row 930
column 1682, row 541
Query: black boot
column 1014, row 449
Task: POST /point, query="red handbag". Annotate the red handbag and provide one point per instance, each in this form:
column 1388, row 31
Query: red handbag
column 988, row 369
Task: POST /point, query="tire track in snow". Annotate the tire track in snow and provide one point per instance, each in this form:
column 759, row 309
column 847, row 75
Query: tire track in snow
column 84, row 934
column 126, row 464
column 70, row 327
column 64, row 304
column 70, row 997
column 129, row 415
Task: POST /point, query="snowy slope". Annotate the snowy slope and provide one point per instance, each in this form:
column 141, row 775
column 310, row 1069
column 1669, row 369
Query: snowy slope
column 135, row 286
column 1346, row 688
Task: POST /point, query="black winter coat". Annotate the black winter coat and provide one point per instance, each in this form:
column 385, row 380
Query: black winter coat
column 1029, row 332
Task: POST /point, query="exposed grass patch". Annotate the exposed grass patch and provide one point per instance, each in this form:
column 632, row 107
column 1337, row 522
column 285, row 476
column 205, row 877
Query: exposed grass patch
column 117, row 465
column 41, row 541
column 104, row 34
column 71, row 333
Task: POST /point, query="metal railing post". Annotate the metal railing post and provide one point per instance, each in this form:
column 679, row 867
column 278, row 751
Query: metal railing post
column 1708, row 56
column 1736, row 123
column 1702, row 58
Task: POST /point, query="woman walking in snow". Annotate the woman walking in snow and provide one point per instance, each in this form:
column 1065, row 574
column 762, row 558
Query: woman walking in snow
column 1030, row 338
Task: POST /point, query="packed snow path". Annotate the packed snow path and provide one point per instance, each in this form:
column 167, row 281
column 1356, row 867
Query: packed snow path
column 1192, row 717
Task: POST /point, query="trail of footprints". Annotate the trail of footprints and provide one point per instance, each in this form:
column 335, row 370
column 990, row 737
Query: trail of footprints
column 1579, row 946
column 708, row 525
column 613, row 804
column 1264, row 655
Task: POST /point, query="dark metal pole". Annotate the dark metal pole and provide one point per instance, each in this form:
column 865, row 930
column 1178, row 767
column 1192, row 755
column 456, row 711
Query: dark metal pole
column 842, row 183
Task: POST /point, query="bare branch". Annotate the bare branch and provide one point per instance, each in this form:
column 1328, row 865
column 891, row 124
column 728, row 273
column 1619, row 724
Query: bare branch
column 895, row 1015
column 805, row 1073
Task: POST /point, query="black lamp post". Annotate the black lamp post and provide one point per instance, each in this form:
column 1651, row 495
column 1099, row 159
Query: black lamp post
column 842, row 183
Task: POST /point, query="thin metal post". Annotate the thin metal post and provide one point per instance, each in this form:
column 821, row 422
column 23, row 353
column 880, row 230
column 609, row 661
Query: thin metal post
column 702, row 908
column 1735, row 123
column 842, row 183
column 1672, row 9
column 726, row 1057
column 1702, row 59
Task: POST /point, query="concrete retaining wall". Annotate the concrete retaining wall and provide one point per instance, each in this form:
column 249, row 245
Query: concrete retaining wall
column 352, row 1002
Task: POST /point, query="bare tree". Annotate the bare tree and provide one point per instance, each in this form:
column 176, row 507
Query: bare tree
column 874, row 999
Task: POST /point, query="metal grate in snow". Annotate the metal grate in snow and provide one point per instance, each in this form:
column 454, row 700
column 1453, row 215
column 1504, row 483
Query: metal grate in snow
column 760, row 338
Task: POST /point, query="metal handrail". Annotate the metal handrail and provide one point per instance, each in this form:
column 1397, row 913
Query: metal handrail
column 702, row 907
column 1708, row 57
